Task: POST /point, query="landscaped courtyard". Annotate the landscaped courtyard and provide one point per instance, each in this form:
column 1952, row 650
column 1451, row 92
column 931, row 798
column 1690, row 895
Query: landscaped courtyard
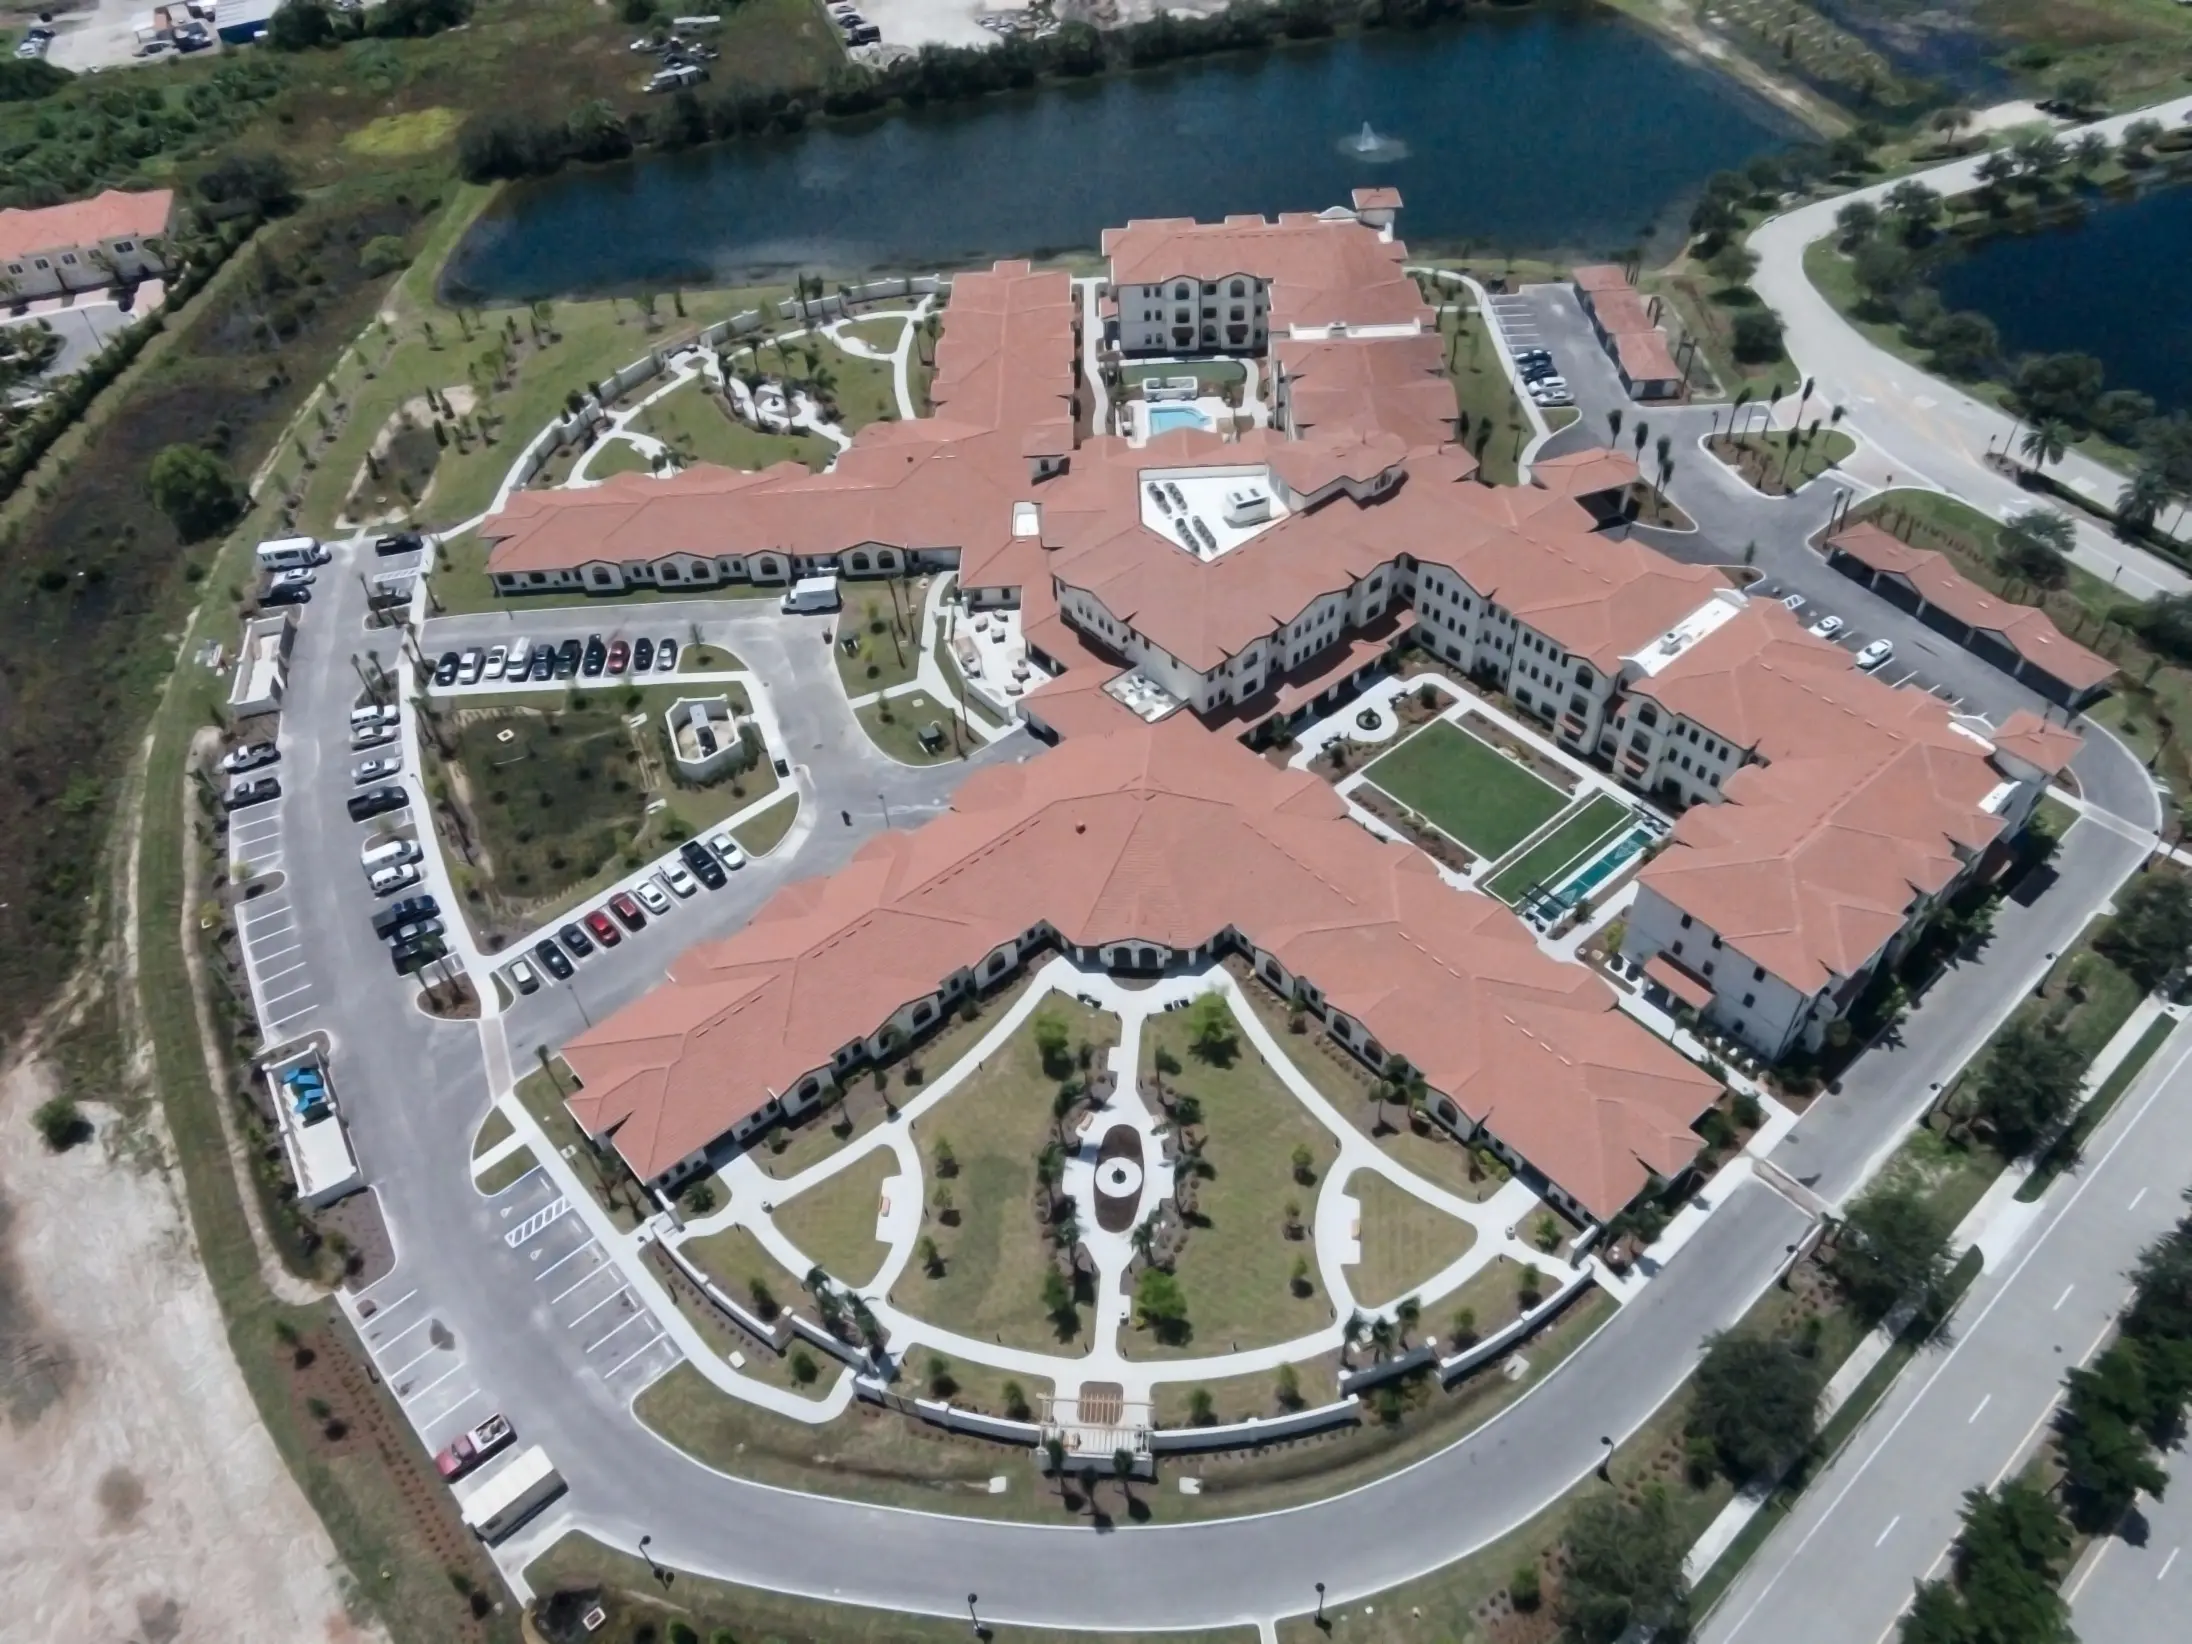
column 1467, row 789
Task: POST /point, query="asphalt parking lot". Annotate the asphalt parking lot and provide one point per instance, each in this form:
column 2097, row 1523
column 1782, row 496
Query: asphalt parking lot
column 609, row 1329
column 1908, row 665
column 420, row 1359
column 282, row 986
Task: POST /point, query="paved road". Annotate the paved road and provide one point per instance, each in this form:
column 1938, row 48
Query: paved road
column 1930, row 430
column 2137, row 1590
column 1840, row 1570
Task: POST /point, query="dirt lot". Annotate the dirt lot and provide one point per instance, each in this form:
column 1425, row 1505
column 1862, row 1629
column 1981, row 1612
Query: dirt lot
column 140, row 1499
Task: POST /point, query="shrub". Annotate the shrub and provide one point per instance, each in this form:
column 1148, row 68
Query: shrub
column 803, row 1366
column 1524, row 1588
column 61, row 1124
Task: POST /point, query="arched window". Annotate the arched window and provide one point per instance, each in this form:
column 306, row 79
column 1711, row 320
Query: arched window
column 859, row 562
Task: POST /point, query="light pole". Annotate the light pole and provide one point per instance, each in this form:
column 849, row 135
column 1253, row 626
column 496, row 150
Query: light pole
column 653, row 1568
column 1606, row 1462
column 971, row 1616
column 1320, row 1604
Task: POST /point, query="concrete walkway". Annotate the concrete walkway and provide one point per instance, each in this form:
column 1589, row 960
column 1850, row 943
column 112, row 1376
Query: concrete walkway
column 1498, row 1221
column 1932, row 433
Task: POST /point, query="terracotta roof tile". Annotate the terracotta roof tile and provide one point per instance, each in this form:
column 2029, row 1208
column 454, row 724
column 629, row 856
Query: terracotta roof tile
column 113, row 215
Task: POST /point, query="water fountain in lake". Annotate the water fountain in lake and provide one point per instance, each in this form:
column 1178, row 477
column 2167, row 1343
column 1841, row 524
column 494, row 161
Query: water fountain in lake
column 1366, row 144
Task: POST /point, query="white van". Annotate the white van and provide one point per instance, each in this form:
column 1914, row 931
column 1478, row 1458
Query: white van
column 389, row 853
column 292, row 553
column 520, row 659
column 373, row 716
column 812, row 594
column 388, row 881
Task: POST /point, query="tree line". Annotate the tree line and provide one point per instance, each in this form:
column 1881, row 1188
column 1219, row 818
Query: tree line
column 496, row 144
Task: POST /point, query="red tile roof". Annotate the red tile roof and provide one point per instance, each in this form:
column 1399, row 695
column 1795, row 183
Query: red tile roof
column 1596, row 277
column 1164, row 834
column 2025, row 629
column 1322, row 271
column 1645, row 357
column 113, row 215
column 1398, row 384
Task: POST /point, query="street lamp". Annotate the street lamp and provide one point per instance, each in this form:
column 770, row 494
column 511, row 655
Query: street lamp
column 971, row 1616
column 653, row 1568
column 1320, row 1604
column 1606, row 1462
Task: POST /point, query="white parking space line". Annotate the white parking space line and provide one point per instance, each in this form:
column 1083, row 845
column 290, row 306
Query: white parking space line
column 405, row 1331
column 283, row 953
column 641, row 1317
column 280, row 1024
column 627, row 1359
column 560, row 1260
column 592, row 1273
column 620, row 1290
column 268, row 977
column 291, row 994
column 381, row 1311
column 430, row 1386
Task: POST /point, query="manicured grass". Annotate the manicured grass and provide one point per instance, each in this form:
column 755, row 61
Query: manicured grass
column 1543, row 863
column 1468, row 788
column 736, row 1261
column 1404, row 1240
column 1236, row 1272
column 1493, row 423
column 506, row 1172
column 865, row 391
column 895, row 726
column 618, row 456
column 2096, row 1108
column 494, row 1128
column 1768, row 462
column 542, row 1091
column 708, row 659
column 994, row 1251
column 578, row 1562
column 766, row 831
column 694, row 422
column 876, row 333
column 1244, row 1398
column 878, row 661
column 834, row 1221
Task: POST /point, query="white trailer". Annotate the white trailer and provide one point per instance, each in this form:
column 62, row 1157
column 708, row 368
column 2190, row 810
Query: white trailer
column 496, row 1503
column 812, row 594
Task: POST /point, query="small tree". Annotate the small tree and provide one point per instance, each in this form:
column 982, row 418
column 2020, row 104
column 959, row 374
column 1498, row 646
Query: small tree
column 1464, row 1328
column 1525, row 1590
column 2152, row 930
column 194, row 488
column 1201, row 1410
column 1623, row 1570
column 947, row 1162
column 942, row 1384
column 1892, row 1246
column 1305, row 1163
column 1054, row 1043
column 1160, row 1304
column 1213, row 1036
column 930, row 1258
column 61, row 1124
column 1286, row 1387
column 1015, row 1400
column 1298, row 1280
column 803, row 1366
column 1756, row 1404
column 2028, row 1086
column 1058, row 1301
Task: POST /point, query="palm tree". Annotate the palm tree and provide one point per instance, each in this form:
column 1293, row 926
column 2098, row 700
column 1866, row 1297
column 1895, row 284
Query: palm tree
column 1407, row 1314
column 2144, row 497
column 1613, row 423
column 2045, row 442
column 1381, row 1337
column 1122, row 1463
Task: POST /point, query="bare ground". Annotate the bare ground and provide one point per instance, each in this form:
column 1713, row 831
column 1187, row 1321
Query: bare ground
column 140, row 1499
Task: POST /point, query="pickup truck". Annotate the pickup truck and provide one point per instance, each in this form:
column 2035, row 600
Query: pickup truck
column 468, row 1450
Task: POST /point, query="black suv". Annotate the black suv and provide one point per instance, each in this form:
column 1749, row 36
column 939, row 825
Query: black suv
column 576, row 940
column 445, row 671
column 399, row 542
column 702, row 861
column 374, row 801
column 567, row 659
column 552, row 960
column 597, row 655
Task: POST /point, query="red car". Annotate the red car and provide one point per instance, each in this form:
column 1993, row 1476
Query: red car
column 472, row 1448
column 619, row 654
column 604, row 932
column 628, row 910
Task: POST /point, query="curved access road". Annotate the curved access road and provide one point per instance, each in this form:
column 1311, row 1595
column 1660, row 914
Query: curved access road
column 1930, row 431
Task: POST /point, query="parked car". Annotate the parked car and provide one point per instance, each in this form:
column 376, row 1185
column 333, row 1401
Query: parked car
column 705, row 867
column 597, row 656
column 552, row 960
column 619, row 655
column 727, row 848
column 1825, row 628
column 544, row 662
column 412, row 930
column 652, row 894
column 388, row 881
column 567, row 659
column 474, row 1447
column 520, row 660
column 643, row 655
column 627, row 910
column 378, row 769
column 375, row 713
column 399, row 542
column 398, row 914
column 288, row 594
column 1537, row 370
column 473, row 668
column 371, row 736
column 497, row 657
column 1794, row 602
column 297, row 576
column 666, row 656
column 604, row 931
column 409, row 957
column 376, row 802
column 1873, row 655
column 252, row 790
column 523, row 977
column 249, row 757
column 576, row 940
column 445, row 671
column 679, row 878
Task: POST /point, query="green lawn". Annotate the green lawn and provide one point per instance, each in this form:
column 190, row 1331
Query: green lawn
column 505, row 1172
column 994, row 1251
column 493, row 1129
column 1589, row 825
column 895, row 725
column 1468, row 788
column 834, row 1221
column 1236, row 1272
column 1494, row 425
column 542, row 1092
column 878, row 660
column 1404, row 1240
column 865, row 391
column 618, row 456
column 735, row 1259
column 766, row 831
column 694, row 422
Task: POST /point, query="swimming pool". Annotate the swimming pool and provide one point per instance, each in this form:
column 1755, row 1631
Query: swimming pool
column 1164, row 418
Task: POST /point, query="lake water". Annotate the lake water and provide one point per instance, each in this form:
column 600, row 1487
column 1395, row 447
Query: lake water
column 1564, row 130
column 2109, row 285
